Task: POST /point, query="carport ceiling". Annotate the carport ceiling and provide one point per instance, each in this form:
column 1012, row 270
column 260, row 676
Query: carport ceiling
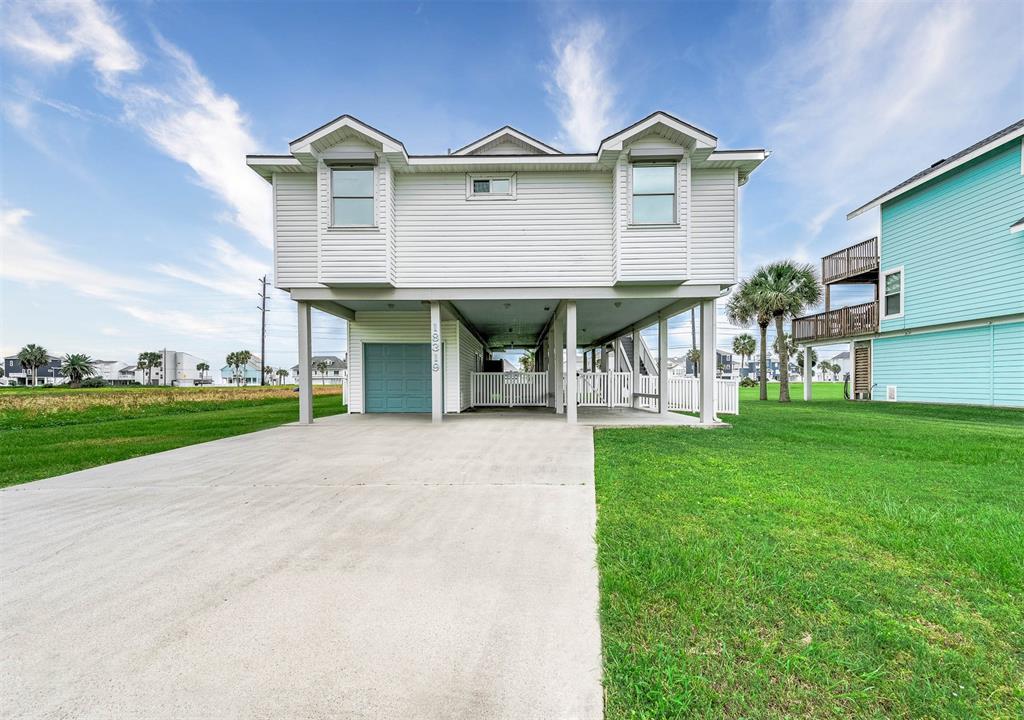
column 520, row 322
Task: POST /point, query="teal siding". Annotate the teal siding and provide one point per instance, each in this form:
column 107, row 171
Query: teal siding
column 976, row 366
column 952, row 237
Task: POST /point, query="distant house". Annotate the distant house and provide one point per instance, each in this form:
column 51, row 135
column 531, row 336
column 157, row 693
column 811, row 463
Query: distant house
column 946, row 320
column 246, row 375
column 843, row 361
column 176, row 368
column 684, row 367
column 110, row 371
column 336, row 372
column 48, row 374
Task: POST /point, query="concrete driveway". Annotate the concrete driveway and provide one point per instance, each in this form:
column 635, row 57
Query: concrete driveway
column 375, row 567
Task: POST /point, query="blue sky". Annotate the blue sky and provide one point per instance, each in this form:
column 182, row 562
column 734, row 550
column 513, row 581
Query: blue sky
column 131, row 223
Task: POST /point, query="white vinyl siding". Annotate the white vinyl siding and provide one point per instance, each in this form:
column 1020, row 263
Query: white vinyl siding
column 295, row 232
column 470, row 350
column 556, row 233
column 355, row 256
column 713, row 225
column 655, row 253
column 400, row 327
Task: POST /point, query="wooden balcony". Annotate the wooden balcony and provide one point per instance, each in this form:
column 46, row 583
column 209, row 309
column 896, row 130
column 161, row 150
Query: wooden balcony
column 857, row 263
column 837, row 324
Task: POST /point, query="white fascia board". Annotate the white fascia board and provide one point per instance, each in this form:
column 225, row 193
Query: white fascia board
column 938, row 171
column 468, row 162
column 366, row 292
column 738, row 156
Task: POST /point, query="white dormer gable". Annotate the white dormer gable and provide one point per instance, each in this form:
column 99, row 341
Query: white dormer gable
column 507, row 141
column 342, row 130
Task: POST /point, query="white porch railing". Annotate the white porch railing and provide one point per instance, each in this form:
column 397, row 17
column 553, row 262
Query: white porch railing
column 596, row 389
column 509, row 389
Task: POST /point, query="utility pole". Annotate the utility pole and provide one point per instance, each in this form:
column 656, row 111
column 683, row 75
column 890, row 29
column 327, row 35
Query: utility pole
column 263, row 329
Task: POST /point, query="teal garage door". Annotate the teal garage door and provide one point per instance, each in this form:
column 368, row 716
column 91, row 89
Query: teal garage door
column 397, row 377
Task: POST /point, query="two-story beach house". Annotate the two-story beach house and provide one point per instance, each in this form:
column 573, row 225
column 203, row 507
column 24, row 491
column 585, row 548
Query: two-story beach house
column 946, row 323
column 437, row 260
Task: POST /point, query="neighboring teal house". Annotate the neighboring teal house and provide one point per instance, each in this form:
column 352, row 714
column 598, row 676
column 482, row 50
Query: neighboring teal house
column 947, row 322
column 247, row 375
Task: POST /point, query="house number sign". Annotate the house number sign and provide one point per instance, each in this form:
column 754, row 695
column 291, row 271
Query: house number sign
column 435, row 348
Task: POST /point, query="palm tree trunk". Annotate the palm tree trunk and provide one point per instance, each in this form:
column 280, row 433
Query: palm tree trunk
column 783, row 361
column 763, row 375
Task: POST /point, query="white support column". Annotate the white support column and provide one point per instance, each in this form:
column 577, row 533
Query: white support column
column 305, row 364
column 663, row 364
column 436, row 396
column 570, row 361
column 708, row 359
column 636, row 366
column 558, row 338
column 808, row 373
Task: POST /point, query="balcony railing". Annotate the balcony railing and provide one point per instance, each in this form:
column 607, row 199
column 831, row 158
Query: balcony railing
column 850, row 262
column 836, row 324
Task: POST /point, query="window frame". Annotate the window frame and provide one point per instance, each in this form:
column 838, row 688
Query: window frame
column 472, row 178
column 372, row 169
column 902, row 293
column 674, row 222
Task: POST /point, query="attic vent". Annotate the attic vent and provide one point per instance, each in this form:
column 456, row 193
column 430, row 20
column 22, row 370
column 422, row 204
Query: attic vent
column 890, row 393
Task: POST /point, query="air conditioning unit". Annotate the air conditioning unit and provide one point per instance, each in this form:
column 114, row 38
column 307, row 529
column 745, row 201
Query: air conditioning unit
column 890, row 393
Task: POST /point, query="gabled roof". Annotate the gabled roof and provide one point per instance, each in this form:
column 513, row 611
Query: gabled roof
column 654, row 120
column 702, row 145
column 979, row 148
column 504, row 134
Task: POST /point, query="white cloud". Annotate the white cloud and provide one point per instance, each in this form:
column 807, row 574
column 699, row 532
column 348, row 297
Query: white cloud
column 29, row 258
column 873, row 92
column 183, row 115
column 59, row 31
column 581, row 84
column 225, row 269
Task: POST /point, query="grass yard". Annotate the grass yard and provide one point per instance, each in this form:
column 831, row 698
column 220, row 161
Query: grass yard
column 46, row 432
column 830, row 559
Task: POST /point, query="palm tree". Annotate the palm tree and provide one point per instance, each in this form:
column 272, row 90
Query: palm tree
column 528, row 360
column 32, row 357
column 236, row 361
column 267, row 370
column 744, row 346
column 203, row 368
column 693, row 355
column 281, row 375
column 321, row 367
column 148, row 361
column 814, row 358
column 77, row 366
column 742, row 310
column 784, row 289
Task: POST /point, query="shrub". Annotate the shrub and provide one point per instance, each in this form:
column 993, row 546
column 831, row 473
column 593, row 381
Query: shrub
column 748, row 382
column 94, row 382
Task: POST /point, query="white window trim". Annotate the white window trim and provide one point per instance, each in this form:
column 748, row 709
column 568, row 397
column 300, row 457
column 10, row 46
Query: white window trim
column 675, row 195
column 331, row 196
column 903, row 293
column 470, row 195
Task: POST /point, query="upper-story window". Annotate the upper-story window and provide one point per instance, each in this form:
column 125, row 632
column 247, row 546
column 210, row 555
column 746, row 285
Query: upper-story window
column 892, row 283
column 654, row 194
column 352, row 197
column 494, row 187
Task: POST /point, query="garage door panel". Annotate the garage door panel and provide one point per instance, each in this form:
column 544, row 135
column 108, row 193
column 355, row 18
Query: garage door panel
column 397, row 377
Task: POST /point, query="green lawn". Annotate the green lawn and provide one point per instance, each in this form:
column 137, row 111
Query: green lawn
column 47, row 432
column 830, row 559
